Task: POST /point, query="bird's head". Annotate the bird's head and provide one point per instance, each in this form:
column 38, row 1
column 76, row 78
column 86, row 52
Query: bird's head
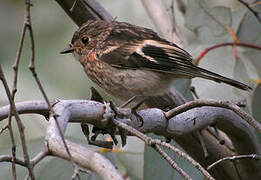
column 88, row 37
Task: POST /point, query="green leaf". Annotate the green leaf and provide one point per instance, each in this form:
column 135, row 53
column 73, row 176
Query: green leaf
column 183, row 86
column 250, row 28
column 240, row 71
column 254, row 56
column 208, row 30
column 220, row 61
column 33, row 146
column 237, row 18
column 157, row 168
column 59, row 169
column 195, row 16
column 132, row 157
column 223, row 15
column 241, row 75
column 154, row 164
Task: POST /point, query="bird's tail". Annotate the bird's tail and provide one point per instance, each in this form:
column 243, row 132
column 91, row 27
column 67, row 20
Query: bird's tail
column 203, row 73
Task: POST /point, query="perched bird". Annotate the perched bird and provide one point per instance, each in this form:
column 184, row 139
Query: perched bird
column 130, row 61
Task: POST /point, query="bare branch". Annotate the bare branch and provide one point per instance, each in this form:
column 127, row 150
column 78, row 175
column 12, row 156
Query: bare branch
column 14, row 88
column 80, row 155
column 19, row 124
column 27, row 107
column 202, row 143
column 233, row 44
column 32, row 68
column 185, row 156
column 171, row 162
column 233, row 158
column 255, row 13
column 84, row 10
column 229, row 105
column 8, row 158
column 154, row 144
column 39, row 157
column 34, row 161
column 154, row 121
column 4, row 128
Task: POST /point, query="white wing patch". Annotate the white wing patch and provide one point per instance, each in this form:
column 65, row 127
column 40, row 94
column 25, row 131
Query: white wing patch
column 151, row 43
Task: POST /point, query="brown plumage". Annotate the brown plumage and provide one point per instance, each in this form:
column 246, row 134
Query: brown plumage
column 127, row 60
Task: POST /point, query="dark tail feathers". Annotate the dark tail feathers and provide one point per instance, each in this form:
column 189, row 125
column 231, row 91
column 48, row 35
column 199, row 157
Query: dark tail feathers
column 218, row 78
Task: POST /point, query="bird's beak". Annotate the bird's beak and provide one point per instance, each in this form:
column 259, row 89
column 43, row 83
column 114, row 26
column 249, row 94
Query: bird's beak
column 70, row 49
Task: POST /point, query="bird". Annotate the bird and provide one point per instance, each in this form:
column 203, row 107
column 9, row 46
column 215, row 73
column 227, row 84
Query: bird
column 133, row 62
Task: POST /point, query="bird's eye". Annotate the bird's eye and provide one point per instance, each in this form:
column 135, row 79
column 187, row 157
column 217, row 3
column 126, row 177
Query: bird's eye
column 85, row 40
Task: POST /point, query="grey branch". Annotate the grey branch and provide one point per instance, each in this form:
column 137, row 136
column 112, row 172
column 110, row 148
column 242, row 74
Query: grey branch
column 233, row 158
column 80, row 154
column 238, row 130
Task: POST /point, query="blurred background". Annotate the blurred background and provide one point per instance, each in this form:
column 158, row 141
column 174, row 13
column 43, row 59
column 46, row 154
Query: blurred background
column 63, row 78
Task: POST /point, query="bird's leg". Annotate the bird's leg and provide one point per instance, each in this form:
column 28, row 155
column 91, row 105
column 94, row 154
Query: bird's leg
column 95, row 95
column 128, row 102
column 96, row 130
column 110, row 131
column 194, row 92
column 93, row 141
column 134, row 111
column 121, row 132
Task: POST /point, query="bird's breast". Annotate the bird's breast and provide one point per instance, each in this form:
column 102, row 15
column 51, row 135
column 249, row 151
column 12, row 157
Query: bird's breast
column 126, row 83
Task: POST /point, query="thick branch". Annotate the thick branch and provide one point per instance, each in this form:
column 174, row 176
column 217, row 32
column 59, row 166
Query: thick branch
column 80, row 155
column 154, row 120
column 241, row 134
column 82, row 10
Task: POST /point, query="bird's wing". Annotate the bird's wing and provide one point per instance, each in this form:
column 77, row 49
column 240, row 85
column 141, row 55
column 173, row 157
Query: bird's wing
column 155, row 55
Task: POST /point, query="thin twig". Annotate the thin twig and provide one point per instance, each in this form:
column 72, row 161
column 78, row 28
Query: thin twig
column 171, row 162
column 3, row 128
column 149, row 141
column 34, row 161
column 18, row 55
column 19, row 124
column 13, row 148
column 233, row 158
column 74, row 3
column 223, row 104
column 185, row 156
column 246, row 45
column 39, row 157
column 8, row 158
column 14, row 88
column 255, row 13
column 203, row 144
column 194, row 92
column 32, row 69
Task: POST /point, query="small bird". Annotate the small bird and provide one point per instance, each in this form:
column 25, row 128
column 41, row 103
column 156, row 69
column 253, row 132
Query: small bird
column 130, row 61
